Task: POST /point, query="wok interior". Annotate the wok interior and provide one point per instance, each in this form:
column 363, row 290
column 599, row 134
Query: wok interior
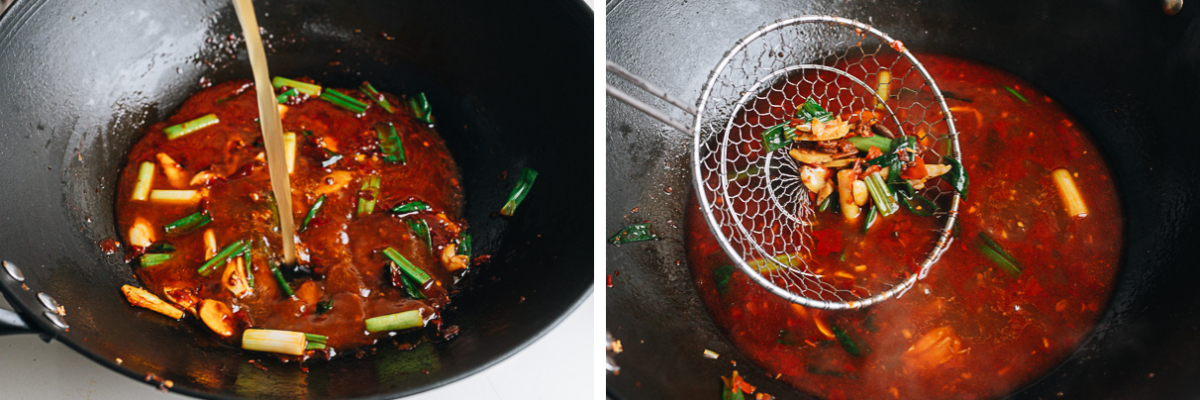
column 1124, row 69
column 77, row 96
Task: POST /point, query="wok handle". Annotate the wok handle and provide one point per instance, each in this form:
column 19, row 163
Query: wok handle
column 21, row 318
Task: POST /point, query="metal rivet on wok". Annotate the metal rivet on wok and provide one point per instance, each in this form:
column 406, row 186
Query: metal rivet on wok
column 48, row 302
column 13, row 271
column 55, row 319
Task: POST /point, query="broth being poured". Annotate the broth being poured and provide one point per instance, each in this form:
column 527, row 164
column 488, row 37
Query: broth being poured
column 1029, row 271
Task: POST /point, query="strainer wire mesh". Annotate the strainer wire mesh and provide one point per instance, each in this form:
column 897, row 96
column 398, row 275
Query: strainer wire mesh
column 753, row 200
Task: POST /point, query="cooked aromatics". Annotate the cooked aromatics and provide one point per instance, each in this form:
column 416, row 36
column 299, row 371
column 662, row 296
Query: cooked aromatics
column 879, row 172
column 141, row 298
column 217, row 316
column 377, row 192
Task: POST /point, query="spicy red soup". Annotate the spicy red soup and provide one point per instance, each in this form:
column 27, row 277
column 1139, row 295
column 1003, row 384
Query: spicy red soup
column 371, row 188
column 977, row 326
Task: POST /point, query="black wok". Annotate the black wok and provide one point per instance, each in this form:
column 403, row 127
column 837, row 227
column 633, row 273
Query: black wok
column 81, row 79
column 1129, row 72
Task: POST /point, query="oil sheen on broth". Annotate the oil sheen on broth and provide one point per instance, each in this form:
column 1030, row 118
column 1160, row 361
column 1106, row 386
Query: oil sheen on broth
column 970, row 329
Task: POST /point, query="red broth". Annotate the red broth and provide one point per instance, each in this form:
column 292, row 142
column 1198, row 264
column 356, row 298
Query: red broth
column 336, row 151
column 969, row 329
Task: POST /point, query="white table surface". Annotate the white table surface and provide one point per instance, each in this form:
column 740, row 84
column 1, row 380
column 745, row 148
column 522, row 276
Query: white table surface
column 559, row 365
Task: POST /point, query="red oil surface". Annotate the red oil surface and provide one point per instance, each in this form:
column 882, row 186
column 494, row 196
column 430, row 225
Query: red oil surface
column 969, row 329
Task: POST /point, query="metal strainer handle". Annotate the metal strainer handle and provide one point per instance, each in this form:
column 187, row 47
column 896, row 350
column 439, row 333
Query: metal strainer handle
column 650, row 88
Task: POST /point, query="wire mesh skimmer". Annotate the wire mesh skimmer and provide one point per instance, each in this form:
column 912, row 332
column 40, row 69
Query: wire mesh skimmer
column 752, row 198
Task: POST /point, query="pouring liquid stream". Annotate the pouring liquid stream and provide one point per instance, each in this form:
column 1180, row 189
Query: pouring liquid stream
column 272, row 128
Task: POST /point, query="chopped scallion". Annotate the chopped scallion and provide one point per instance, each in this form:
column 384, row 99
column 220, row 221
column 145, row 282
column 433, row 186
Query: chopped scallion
column 1017, row 94
column 229, row 252
column 306, row 88
column 274, row 341
column 370, row 188
column 283, row 285
column 918, row 204
column 633, row 233
column 412, row 207
column 420, row 229
column 844, row 339
column 957, row 176
column 881, row 195
column 865, row 143
column 370, row 91
column 324, row 306
column 312, row 212
column 315, row 338
column 399, row 279
column 778, row 136
column 421, row 108
column 872, row 215
column 524, row 184
column 341, row 100
column 412, row 271
column 187, row 224
column 152, row 259
column 810, row 110
column 389, row 143
column 464, row 245
column 395, row 322
column 145, row 178
column 283, row 97
column 161, row 247
column 176, row 131
column 249, row 266
column 997, row 255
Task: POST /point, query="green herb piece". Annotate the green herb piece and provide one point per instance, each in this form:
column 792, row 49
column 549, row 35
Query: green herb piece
column 997, row 255
column 324, row 306
column 187, row 224
column 395, row 322
column 633, row 233
column 152, row 259
column 410, row 288
column 283, row 285
column 844, row 339
column 412, row 207
column 341, row 100
column 177, row 131
column 370, row 91
column 721, row 277
column 312, row 212
column 524, row 185
column 778, row 136
column 283, row 97
column 421, row 108
column 810, row 110
column 738, row 176
column 370, row 188
column 389, row 143
column 229, row 252
column 419, row 276
column 464, row 245
column 306, row 88
column 246, row 259
column 420, row 229
column 825, row 204
column 872, row 215
column 1017, row 94
column 161, row 247
column 919, row 205
column 865, row 143
column 315, row 338
column 881, row 195
column 957, row 176
column 314, row 346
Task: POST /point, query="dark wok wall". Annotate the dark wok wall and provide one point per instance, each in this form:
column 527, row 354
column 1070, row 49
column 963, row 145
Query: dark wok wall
column 80, row 78
column 1130, row 73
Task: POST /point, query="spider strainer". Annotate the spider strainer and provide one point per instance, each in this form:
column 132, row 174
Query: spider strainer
column 753, row 199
